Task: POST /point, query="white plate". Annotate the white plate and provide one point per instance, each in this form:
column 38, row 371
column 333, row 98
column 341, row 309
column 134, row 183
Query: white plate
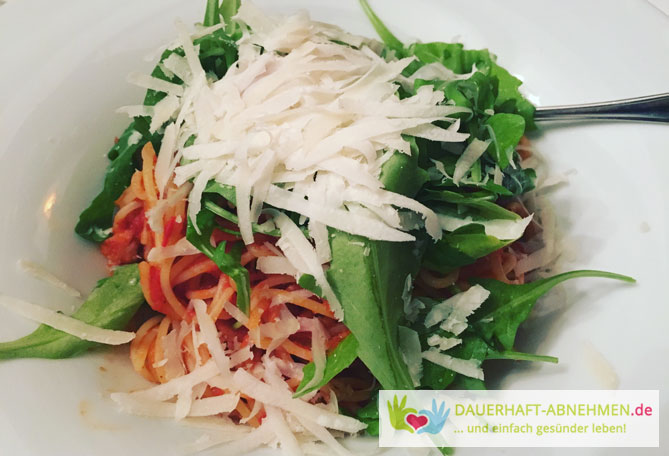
column 63, row 65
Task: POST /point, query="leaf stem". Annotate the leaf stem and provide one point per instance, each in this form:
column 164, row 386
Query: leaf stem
column 386, row 35
column 520, row 356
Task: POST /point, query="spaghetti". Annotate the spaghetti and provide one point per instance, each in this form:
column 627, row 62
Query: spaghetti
column 165, row 347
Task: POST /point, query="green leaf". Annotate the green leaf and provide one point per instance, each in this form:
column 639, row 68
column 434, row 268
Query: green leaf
column 110, row 305
column 229, row 194
column 519, row 180
column 214, row 208
column 308, row 282
column 369, row 414
column 480, row 204
column 505, row 132
column 509, row 305
column 226, row 191
column 339, row 359
column 211, row 14
column 386, row 35
column 228, row 9
column 369, row 278
column 402, row 173
column 95, row 221
column 217, row 52
column 227, row 262
column 509, row 99
column 519, row 356
column 438, row 377
column 460, row 248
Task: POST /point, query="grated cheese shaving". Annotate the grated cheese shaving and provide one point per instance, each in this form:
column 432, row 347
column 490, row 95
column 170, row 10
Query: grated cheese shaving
column 41, row 273
column 453, row 312
column 410, row 351
column 303, row 108
column 468, row 367
column 317, row 348
column 500, row 228
column 200, row 407
column 210, row 335
column 303, row 257
column 471, row 154
column 66, row 324
column 443, row 343
column 252, row 387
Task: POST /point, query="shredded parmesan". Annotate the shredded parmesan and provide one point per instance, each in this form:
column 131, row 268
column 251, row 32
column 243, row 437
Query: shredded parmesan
column 500, row 228
column 471, row 154
column 276, row 265
column 181, row 248
column 200, row 407
column 317, row 348
column 288, row 442
column 252, row 387
column 296, row 108
column 166, row 391
column 453, row 312
column 66, row 324
column 303, row 257
column 41, row 273
column 210, row 336
column 443, row 343
column 410, row 351
column 322, row 434
column 467, row 367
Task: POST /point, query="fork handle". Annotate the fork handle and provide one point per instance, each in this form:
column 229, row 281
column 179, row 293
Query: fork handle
column 654, row 108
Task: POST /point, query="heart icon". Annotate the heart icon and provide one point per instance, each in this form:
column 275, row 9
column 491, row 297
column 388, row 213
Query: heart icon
column 416, row 421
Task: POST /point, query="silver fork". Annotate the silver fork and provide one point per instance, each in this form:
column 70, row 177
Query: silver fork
column 654, row 108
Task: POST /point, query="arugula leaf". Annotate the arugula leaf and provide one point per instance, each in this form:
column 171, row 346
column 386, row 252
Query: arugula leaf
column 459, row 60
column 386, row 35
column 460, row 248
column 226, row 191
column 211, row 14
column 229, row 194
column 505, row 132
column 509, row 305
column 519, row 356
column 519, row 180
column 308, row 282
column 438, row 377
column 368, row 278
column 227, row 261
column 339, row 359
column 402, row 173
column 509, row 99
column 95, row 221
column 499, row 110
column 216, row 12
column 217, row 52
column 214, row 208
column 110, row 305
column 481, row 203
column 369, row 414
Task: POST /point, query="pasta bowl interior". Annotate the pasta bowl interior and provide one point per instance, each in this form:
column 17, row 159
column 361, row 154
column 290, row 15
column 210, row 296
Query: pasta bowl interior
column 610, row 197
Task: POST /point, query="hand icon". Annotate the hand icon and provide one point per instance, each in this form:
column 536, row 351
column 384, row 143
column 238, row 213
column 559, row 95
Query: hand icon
column 398, row 414
column 437, row 418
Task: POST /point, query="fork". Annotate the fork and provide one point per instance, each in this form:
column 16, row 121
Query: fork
column 653, row 108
